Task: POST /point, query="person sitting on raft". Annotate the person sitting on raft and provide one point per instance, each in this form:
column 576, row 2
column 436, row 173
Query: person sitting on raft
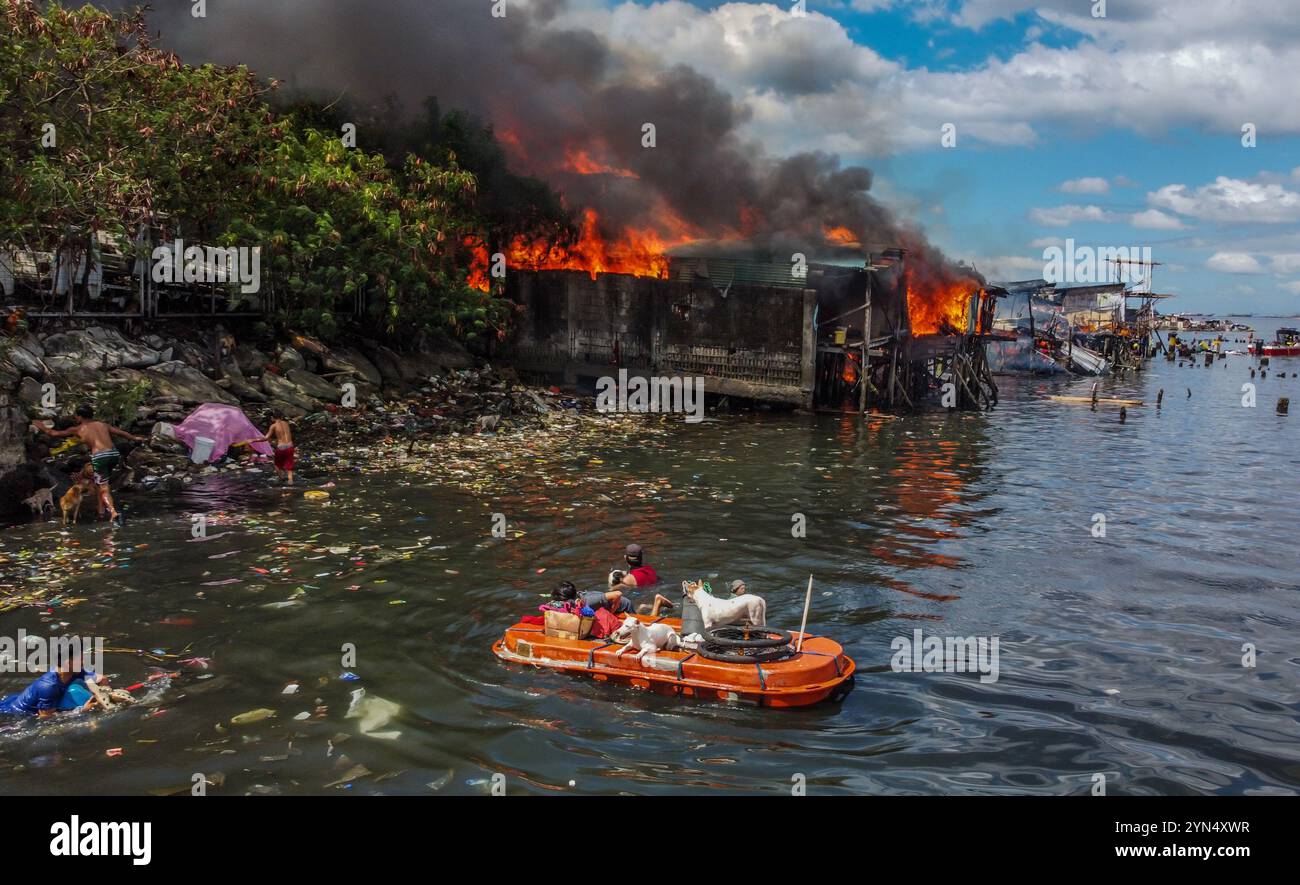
column 612, row 600
column 51, row 690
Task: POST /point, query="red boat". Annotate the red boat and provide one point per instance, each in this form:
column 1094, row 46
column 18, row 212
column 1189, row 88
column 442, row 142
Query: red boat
column 1287, row 344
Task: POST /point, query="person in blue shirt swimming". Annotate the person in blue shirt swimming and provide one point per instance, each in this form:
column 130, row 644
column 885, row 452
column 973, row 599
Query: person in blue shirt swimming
column 52, row 690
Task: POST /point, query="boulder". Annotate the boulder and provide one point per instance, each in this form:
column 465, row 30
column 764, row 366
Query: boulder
column 29, row 391
column 242, row 388
column 441, row 351
column 252, row 362
column 288, row 358
column 16, row 475
column 26, row 356
column 32, row 345
column 187, row 384
column 387, row 362
column 288, row 409
column 314, row 385
column 283, row 391
column 347, row 359
column 98, row 347
column 305, row 344
column 194, row 356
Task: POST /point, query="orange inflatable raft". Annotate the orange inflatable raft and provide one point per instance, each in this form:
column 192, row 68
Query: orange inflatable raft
column 821, row 670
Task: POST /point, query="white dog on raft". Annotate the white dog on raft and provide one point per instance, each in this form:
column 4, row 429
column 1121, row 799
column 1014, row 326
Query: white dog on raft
column 747, row 609
column 649, row 638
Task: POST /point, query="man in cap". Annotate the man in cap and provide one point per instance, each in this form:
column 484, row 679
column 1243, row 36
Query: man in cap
column 638, row 574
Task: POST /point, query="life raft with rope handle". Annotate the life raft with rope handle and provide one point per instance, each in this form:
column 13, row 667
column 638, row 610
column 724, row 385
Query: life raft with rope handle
column 769, row 674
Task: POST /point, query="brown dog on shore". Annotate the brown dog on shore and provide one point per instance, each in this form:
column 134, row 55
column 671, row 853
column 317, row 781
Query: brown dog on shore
column 71, row 500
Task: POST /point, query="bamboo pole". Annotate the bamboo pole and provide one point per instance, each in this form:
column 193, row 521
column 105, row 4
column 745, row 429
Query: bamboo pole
column 807, row 603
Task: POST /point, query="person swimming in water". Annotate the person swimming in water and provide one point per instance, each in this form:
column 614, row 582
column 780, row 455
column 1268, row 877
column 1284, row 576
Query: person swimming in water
column 68, row 686
column 104, row 456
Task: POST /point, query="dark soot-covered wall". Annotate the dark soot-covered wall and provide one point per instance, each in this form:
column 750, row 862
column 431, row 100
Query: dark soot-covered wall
column 747, row 340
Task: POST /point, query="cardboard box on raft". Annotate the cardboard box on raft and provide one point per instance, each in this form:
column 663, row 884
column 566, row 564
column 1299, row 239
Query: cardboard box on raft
column 566, row 626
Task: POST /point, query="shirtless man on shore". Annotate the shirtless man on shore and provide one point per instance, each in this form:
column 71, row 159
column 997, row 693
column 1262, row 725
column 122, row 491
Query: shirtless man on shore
column 104, row 456
column 281, row 437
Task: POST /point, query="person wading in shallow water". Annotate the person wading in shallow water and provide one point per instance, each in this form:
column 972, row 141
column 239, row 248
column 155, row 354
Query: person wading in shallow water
column 104, row 457
column 280, row 436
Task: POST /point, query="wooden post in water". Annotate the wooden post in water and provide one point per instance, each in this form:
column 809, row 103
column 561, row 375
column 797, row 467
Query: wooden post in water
column 864, row 374
column 807, row 603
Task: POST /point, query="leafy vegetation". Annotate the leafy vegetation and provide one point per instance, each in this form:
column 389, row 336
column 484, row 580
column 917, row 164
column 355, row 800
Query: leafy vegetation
column 116, row 404
column 101, row 131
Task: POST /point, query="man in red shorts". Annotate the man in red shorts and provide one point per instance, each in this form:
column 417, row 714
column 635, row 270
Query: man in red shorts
column 281, row 437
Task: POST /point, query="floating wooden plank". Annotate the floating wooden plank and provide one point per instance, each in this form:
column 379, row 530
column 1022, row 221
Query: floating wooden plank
column 1101, row 400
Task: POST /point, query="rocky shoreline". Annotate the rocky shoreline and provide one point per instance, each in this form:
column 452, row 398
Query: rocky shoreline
column 363, row 391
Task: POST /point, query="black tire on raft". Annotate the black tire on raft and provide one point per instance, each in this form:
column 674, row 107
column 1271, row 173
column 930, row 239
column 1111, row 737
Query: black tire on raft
column 723, row 637
column 758, row 656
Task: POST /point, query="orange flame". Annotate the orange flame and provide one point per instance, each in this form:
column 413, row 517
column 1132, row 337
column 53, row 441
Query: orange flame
column 581, row 162
column 640, row 252
column 477, row 277
column 939, row 306
column 840, row 236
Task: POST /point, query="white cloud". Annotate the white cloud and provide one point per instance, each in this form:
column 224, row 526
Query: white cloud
column 1085, row 186
column 1047, row 243
column 1234, row 262
column 1231, row 200
column 1285, row 264
column 809, row 85
column 1063, row 216
column 1154, row 219
column 1293, row 288
column 1006, row 268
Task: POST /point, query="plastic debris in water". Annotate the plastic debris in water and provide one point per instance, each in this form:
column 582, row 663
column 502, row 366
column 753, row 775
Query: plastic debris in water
column 258, row 715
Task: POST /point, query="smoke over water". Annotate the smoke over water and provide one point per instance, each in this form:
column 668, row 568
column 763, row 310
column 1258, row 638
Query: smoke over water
column 570, row 107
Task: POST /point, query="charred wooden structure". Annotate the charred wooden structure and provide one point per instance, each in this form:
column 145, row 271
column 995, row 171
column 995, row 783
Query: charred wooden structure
column 769, row 332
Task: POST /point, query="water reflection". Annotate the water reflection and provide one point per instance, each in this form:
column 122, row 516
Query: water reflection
column 1120, row 655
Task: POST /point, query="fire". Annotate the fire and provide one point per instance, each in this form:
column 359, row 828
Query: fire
column 840, row 236
column 939, row 306
column 477, row 277
column 581, row 162
column 849, row 375
column 640, row 252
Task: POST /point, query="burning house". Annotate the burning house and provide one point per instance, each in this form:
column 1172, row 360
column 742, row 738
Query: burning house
column 756, row 331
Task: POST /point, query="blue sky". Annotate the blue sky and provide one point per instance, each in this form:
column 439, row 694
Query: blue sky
column 1121, row 129
column 1142, row 110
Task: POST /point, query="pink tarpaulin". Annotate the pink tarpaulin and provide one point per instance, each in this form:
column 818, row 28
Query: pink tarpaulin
column 224, row 425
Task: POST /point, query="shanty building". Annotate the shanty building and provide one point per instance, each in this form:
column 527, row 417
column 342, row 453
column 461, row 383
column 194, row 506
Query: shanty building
column 754, row 330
